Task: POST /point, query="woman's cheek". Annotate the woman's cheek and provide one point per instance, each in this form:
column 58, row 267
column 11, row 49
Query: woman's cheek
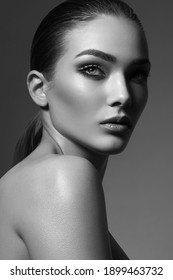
column 140, row 98
column 77, row 93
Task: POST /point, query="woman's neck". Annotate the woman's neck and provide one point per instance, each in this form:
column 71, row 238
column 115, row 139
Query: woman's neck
column 62, row 145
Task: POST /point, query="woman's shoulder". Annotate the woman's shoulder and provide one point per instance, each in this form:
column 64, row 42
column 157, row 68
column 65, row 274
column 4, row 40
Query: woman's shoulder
column 46, row 166
column 68, row 175
column 53, row 197
column 56, row 171
column 48, row 174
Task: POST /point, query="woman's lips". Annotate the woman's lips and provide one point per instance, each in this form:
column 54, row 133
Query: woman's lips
column 117, row 124
column 116, row 127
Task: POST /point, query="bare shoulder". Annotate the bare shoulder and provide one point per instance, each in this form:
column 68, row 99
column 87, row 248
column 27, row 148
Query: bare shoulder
column 67, row 173
column 71, row 167
column 59, row 208
column 70, row 180
column 48, row 173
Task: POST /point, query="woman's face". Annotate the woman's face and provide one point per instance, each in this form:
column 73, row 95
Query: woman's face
column 99, row 88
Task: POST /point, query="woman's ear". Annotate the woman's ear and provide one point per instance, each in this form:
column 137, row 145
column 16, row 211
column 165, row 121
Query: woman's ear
column 37, row 86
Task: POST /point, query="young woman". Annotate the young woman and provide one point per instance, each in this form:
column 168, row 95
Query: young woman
column 89, row 69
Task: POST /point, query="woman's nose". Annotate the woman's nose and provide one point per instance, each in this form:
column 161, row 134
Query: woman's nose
column 118, row 91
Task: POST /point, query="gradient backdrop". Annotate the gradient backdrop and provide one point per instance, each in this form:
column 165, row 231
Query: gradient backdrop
column 139, row 182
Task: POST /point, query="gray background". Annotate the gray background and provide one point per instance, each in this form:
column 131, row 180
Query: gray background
column 138, row 182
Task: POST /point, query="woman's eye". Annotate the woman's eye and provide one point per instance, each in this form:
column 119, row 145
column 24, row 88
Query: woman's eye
column 92, row 71
column 140, row 77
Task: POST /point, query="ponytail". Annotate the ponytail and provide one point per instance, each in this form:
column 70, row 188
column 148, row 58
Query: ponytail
column 29, row 140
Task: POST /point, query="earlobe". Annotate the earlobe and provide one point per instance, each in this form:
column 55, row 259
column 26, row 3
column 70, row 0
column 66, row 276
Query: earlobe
column 37, row 85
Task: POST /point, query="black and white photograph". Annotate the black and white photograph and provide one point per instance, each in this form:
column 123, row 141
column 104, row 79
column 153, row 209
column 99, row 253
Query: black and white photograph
column 86, row 169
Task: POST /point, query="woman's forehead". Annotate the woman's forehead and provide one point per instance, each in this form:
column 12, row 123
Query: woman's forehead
column 110, row 34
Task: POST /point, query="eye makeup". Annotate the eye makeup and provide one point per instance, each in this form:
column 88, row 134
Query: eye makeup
column 92, row 71
column 139, row 76
column 136, row 72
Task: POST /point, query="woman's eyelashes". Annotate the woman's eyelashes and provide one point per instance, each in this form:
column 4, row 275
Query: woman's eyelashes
column 92, row 71
column 140, row 77
column 95, row 71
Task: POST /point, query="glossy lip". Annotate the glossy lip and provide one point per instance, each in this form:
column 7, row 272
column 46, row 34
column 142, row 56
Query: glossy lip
column 121, row 120
column 117, row 124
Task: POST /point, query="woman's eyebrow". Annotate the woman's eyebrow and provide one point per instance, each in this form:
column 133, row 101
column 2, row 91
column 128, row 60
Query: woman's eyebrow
column 97, row 53
column 141, row 61
column 111, row 58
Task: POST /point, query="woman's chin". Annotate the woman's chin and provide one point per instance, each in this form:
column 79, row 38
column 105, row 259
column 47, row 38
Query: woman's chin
column 111, row 148
column 114, row 150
